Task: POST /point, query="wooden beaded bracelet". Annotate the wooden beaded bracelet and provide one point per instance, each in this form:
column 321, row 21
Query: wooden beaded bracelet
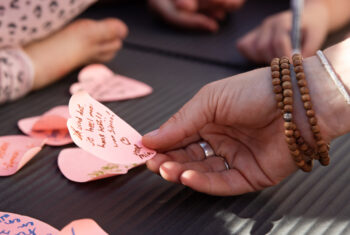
column 281, row 80
column 322, row 147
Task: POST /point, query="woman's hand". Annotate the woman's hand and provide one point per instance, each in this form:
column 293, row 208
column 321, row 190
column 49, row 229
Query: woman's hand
column 273, row 37
column 195, row 14
column 239, row 118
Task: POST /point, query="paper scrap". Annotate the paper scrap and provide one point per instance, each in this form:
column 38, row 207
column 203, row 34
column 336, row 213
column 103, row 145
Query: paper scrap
column 103, row 85
column 80, row 166
column 52, row 126
column 83, row 227
column 16, row 151
column 97, row 130
column 14, row 224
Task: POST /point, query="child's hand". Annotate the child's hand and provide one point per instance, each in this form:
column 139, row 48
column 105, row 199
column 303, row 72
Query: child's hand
column 195, row 14
column 273, row 37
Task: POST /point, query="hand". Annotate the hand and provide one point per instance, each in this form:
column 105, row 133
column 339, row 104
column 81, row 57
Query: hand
column 238, row 117
column 195, row 14
column 272, row 38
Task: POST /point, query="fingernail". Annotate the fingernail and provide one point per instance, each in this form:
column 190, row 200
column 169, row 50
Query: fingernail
column 153, row 133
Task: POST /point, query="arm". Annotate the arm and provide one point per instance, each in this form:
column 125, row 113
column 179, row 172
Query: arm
column 238, row 117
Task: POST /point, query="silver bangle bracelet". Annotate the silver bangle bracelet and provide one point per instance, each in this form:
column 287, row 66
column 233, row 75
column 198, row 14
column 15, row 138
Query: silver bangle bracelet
column 333, row 75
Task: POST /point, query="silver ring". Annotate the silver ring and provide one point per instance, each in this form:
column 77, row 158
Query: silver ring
column 226, row 163
column 207, row 149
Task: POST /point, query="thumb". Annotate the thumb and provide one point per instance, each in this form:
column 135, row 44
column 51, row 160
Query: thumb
column 184, row 126
column 187, row 5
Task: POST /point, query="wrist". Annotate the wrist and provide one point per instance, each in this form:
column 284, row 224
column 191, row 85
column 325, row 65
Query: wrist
column 330, row 107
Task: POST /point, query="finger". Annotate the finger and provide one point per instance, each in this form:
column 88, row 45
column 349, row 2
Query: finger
column 189, row 20
column 117, row 29
column 218, row 14
column 225, row 183
column 186, row 122
column 171, row 171
column 282, row 44
column 246, row 45
column 187, row 5
column 111, row 46
column 192, row 152
column 312, row 41
column 263, row 43
column 228, row 5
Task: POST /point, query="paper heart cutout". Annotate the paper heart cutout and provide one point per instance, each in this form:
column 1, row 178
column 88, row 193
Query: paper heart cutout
column 52, row 126
column 103, row 85
column 80, row 166
column 11, row 223
column 16, row 151
column 83, row 227
column 97, row 130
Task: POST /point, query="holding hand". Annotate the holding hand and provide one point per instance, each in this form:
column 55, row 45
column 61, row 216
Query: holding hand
column 195, row 14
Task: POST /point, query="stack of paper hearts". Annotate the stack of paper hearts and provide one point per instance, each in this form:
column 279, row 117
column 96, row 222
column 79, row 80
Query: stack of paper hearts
column 49, row 128
column 109, row 146
column 103, row 85
column 11, row 223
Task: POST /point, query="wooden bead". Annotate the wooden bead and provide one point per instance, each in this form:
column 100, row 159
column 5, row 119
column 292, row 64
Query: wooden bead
column 315, row 129
column 313, row 121
column 296, row 134
column 300, row 76
column 305, row 98
column 298, row 69
column 288, row 100
column 288, row 93
column 290, row 140
column 280, row 105
column 295, row 153
column 275, row 68
column 307, row 167
column 287, row 85
column 284, row 61
column 317, row 136
column 286, row 78
column 309, row 152
column 302, row 83
column 285, row 66
column 307, row 105
column 320, row 143
column 323, row 148
column 297, row 57
column 275, row 74
column 288, row 108
column 304, row 90
column 276, row 81
column 277, row 89
column 325, row 161
column 297, row 158
column 300, row 163
column 279, row 97
column 297, row 62
column 289, row 133
column 300, row 140
column 293, row 147
column 275, row 60
column 303, row 147
column 324, row 155
column 285, row 72
column 288, row 125
column 310, row 113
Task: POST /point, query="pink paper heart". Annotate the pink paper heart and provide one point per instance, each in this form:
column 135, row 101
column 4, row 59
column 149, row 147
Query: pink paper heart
column 103, row 85
column 50, row 126
column 97, row 130
column 16, row 151
column 80, row 166
column 83, row 227
column 11, row 223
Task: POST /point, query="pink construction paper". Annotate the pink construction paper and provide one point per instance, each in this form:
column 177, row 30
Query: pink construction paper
column 16, row 151
column 97, row 130
column 11, row 224
column 80, row 166
column 103, row 85
column 83, row 227
column 52, row 126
